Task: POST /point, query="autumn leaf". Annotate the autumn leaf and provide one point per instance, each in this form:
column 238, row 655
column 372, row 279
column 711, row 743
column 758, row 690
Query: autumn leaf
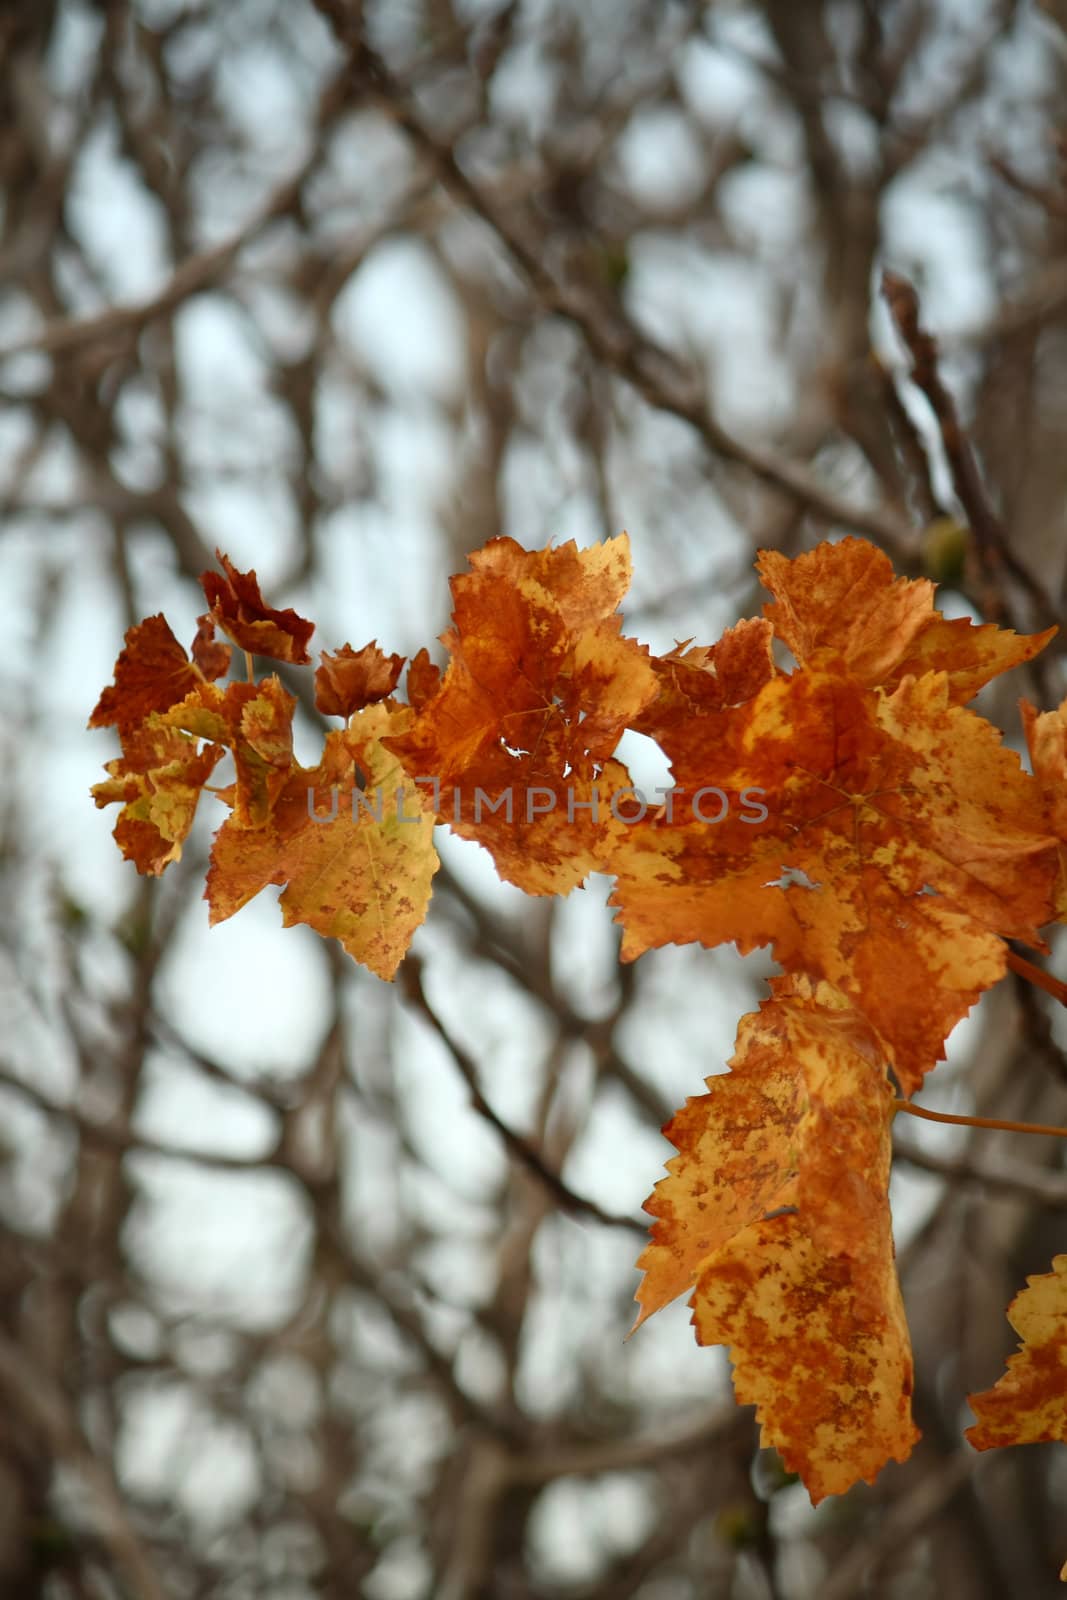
column 212, row 658
column 902, row 843
column 152, row 673
column 736, row 1156
column 350, row 679
column 241, row 612
column 423, row 680
column 255, row 720
column 364, row 876
column 698, row 680
column 158, row 779
column 1028, row 1405
column 777, row 1207
column 819, row 1346
column 539, row 686
column 1046, row 739
column 844, row 597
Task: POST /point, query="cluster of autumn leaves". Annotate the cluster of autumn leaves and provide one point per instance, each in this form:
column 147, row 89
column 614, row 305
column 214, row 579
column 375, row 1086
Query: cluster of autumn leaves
column 901, row 845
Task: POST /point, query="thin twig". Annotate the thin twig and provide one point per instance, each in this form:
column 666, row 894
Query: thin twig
column 520, row 1148
column 115, row 1136
column 197, row 273
column 29, row 1389
column 1037, row 976
column 991, row 537
column 961, row 1121
column 651, row 371
column 616, row 1455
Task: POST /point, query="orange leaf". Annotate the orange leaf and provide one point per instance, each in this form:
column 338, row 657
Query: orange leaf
column 256, row 721
column 350, row 679
column 874, row 800
column 1029, row 1403
column 538, row 690
column 364, row 876
column 807, row 1296
column 152, row 672
column 212, row 658
column 241, row 612
column 844, row 597
column 158, row 778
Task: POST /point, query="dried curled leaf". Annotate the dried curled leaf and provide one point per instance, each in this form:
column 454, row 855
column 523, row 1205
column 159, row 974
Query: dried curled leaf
column 211, row 657
column 350, row 679
column 241, row 612
column 256, row 721
column 423, row 680
column 158, row 779
column 152, row 673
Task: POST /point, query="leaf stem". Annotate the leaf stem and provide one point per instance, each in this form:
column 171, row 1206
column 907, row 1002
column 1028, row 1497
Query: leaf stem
column 1037, row 975
column 977, row 1122
column 250, row 666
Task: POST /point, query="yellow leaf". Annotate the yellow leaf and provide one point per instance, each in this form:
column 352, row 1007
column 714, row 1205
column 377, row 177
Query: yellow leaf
column 361, row 875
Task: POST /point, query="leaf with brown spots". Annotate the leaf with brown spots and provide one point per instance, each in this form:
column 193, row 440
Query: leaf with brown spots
column 256, row 721
column 819, row 1346
column 158, row 779
column 357, row 862
column 902, row 844
column 539, row 687
column 736, row 1157
column 844, row 598
column 777, row 1208
column 1028, row 1404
